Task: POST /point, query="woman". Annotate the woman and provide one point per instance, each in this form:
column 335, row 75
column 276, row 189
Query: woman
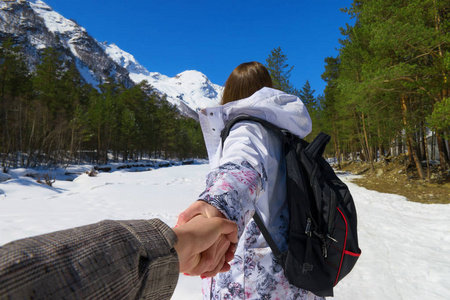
column 247, row 176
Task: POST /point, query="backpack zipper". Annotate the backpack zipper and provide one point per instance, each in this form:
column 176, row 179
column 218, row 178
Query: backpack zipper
column 308, row 227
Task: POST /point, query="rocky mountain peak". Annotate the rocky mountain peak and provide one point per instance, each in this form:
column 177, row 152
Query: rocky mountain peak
column 36, row 26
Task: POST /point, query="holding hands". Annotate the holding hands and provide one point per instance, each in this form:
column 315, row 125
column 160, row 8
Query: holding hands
column 206, row 240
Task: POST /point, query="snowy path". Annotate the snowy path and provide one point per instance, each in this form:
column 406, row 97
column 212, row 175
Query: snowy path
column 406, row 245
column 406, row 249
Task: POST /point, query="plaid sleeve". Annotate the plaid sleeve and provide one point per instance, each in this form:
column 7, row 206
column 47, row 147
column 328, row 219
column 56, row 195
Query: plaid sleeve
column 106, row 260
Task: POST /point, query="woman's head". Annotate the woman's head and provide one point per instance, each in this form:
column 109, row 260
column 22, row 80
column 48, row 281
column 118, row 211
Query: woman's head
column 245, row 80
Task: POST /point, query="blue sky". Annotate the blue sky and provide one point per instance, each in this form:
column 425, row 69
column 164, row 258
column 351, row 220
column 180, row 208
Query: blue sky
column 215, row 36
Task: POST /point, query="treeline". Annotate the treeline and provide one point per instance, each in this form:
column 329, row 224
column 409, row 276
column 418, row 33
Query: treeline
column 50, row 116
column 388, row 89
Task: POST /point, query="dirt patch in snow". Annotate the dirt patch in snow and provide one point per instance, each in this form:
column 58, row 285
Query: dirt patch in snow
column 396, row 177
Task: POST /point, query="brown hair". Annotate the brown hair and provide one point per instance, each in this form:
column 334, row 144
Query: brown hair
column 245, row 80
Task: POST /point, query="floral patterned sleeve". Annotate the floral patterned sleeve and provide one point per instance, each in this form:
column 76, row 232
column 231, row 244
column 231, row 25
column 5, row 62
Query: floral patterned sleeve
column 234, row 189
column 235, row 186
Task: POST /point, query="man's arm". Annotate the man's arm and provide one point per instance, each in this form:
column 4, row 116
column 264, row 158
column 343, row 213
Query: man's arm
column 109, row 259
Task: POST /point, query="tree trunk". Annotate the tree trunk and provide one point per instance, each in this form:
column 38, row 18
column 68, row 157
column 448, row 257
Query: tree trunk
column 411, row 148
column 405, row 123
column 422, row 138
column 30, row 149
column 369, row 149
column 362, row 153
column 380, row 144
column 417, row 160
column 425, row 145
column 98, row 145
column 336, row 148
column 443, row 155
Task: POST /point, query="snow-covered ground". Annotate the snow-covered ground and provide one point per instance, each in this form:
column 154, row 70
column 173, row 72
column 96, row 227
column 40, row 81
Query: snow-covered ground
column 406, row 245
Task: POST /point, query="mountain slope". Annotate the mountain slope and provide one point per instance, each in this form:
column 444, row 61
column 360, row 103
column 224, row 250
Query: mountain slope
column 36, row 26
column 191, row 88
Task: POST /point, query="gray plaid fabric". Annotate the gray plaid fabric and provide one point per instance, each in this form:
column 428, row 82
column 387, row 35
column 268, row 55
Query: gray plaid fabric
column 107, row 260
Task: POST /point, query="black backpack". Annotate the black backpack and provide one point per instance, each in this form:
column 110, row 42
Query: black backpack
column 322, row 241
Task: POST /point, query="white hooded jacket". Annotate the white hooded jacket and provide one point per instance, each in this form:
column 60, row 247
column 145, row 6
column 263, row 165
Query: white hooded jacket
column 248, row 174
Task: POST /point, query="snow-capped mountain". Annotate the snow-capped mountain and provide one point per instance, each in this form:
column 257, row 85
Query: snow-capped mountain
column 36, row 26
column 191, row 88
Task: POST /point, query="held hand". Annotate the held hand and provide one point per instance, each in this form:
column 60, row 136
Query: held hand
column 198, row 208
column 217, row 235
column 201, row 208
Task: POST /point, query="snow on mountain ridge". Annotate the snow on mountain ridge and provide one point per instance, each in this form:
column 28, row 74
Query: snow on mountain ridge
column 36, row 26
column 190, row 87
column 53, row 20
column 123, row 58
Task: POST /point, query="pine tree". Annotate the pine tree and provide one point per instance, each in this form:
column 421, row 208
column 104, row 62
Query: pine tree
column 15, row 85
column 393, row 74
column 280, row 71
column 306, row 94
column 48, row 84
column 328, row 111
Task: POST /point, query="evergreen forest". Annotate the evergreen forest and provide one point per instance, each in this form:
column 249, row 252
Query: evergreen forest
column 50, row 117
column 387, row 92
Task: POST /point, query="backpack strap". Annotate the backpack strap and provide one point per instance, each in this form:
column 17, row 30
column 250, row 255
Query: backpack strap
column 317, row 146
column 266, row 235
column 230, row 123
column 224, row 134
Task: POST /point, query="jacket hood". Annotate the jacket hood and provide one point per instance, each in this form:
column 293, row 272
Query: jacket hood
column 284, row 110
